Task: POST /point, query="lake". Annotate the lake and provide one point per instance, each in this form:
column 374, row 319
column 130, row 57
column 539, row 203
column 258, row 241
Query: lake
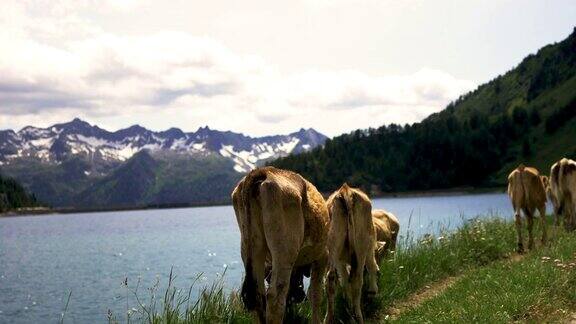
column 43, row 258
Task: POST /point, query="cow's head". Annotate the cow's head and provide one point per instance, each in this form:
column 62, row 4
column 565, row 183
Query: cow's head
column 373, row 277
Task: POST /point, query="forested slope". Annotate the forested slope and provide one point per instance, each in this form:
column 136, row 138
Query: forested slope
column 13, row 195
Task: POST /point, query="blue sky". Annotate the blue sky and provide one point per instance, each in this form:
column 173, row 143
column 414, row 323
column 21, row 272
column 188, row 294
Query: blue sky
column 262, row 66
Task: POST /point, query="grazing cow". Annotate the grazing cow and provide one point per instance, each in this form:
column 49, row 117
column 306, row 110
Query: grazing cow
column 386, row 226
column 563, row 189
column 283, row 222
column 352, row 247
column 527, row 194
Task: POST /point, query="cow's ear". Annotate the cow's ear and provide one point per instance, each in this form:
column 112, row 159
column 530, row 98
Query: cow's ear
column 380, row 247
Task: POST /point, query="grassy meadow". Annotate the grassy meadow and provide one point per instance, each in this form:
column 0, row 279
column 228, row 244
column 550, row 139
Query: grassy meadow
column 490, row 283
column 540, row 287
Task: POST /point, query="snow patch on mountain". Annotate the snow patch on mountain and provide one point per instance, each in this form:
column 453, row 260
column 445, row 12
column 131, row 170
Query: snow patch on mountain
column 78, row 138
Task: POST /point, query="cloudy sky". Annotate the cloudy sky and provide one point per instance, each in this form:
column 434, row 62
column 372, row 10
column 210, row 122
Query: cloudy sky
column 258, row 66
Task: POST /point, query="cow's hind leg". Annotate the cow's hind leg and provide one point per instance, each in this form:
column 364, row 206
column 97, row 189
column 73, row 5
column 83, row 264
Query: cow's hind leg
column 518, row 223
column 529, row 214
column 277, row 292
column 544, row 224
column 567, row 217
column 572, row 213
column 530, row 222
column 557, row 212
column 557, row 221
column 253, row 288
column 372, row 269
column 316, row 286
column 356, row 282
column 331, row 294
column 282, row 218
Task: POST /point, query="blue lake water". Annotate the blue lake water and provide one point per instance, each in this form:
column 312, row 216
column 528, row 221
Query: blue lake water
column 44, row 258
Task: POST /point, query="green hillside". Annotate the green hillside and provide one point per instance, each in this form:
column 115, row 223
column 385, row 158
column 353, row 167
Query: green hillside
column 526, row 115
column 55, row 184
column 162, row 179
column 13, row 195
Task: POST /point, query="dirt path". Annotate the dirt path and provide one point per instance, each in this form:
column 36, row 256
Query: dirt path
column 429, row 291
column 432, row 290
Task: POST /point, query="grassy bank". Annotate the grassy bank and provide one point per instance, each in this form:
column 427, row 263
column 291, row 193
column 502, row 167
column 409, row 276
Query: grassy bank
column 541, row 287
column 477, row 251
column 475, row 244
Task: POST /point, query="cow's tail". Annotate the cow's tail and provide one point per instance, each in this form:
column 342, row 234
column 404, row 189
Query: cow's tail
column 346, row 197
column 251, row 298
column 523, row 184
column 555, row 186
column 562, row 177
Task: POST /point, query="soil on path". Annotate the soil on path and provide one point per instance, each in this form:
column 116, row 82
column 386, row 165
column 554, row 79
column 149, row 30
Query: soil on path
column 432, row 290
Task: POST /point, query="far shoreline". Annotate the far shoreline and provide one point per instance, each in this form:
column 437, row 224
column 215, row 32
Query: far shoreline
column 460, row 191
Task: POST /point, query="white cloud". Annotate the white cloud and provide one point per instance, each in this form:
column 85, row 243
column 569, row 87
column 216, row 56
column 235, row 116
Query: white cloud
column 164, row 79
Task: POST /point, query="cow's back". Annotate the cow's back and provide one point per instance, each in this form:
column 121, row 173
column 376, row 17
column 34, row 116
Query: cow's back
column 351, row 221
column 526, row 189
column 535, row 187
column 292, row 192
column 382, row 230
column 567, row 178
column 363, row 218
column 386, row 225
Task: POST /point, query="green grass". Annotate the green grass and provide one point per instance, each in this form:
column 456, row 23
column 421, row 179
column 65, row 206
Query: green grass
column 534, row 289
column 475, row 244
column 473, row 251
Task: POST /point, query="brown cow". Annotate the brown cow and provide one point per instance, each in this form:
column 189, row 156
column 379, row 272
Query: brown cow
column 563, row 188
column 386, row 226
column 527, row 194
column 352, row 247
column 283, row 221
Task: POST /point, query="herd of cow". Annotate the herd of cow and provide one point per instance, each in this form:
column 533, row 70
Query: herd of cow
column 288, row 231
column 529, row 191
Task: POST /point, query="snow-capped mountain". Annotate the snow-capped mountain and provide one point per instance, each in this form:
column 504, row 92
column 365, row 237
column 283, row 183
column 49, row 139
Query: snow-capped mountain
column 78, row 138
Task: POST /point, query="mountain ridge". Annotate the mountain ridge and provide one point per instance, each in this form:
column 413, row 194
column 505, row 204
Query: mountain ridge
column 53, row 143
column 76, row 163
